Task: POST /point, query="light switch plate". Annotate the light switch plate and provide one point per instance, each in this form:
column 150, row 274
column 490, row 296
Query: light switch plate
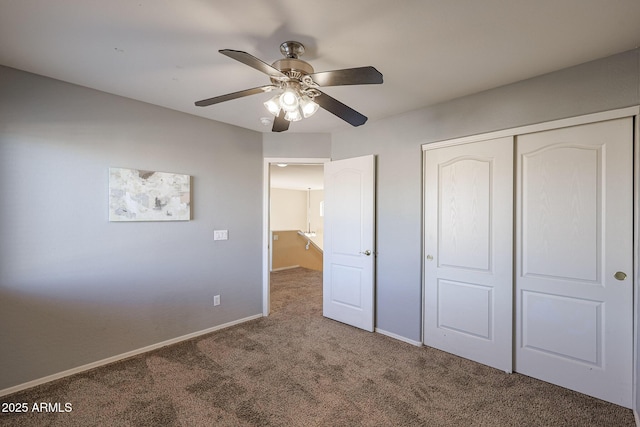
column 220, row 234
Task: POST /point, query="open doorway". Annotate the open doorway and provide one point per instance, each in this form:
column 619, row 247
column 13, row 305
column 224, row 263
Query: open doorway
column 293, row 217
column 296, row 216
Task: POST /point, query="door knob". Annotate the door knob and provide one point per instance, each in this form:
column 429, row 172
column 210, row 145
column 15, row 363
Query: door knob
column 367, row 252
column 429, row 257
column 620, row 275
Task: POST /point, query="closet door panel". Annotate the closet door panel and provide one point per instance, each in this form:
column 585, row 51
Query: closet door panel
column 574, row 228
column 562, row 182
column 468, row 244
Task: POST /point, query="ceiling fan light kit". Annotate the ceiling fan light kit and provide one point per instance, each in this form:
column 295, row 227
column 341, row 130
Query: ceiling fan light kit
column 297, row 84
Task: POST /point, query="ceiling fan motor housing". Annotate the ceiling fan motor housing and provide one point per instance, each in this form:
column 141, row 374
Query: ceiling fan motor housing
column 293, row 67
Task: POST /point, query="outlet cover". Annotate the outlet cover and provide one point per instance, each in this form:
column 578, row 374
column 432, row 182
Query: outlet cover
column 220, row 234
column 216, row 300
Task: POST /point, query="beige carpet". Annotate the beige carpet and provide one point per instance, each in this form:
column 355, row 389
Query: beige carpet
column 296, row 368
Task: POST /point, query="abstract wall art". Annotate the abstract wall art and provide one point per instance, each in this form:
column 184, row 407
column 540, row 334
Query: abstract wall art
column 141, row 195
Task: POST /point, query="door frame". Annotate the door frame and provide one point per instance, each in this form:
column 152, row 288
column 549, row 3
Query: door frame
column 556, row 124
column 266, row 234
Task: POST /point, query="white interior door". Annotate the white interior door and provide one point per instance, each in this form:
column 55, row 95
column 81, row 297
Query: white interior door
column 574, row 244
column 468, row 247
column 349, row 246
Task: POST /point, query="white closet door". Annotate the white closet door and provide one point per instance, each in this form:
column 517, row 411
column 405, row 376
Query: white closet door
column 574, row 247
column 468, row 249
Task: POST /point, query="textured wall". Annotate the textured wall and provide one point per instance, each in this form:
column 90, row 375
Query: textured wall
column 290, row 250
column 300, row 145
column 76, row 288
column 288, row 209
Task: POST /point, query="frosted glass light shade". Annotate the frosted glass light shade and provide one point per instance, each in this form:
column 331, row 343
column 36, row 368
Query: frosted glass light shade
column 309, row 107
column 273, row 105
column 289, row 100
column 293, row 116
column 295, row 105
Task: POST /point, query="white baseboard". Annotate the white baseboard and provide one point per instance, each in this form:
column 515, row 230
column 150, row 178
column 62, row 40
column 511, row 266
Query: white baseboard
column 118, row 357
column 399, row 337
column 285, row 268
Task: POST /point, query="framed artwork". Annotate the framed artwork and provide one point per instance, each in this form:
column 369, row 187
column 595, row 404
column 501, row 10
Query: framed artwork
column 141, row 195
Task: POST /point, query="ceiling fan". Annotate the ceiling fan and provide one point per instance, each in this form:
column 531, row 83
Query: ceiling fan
column 297, row 85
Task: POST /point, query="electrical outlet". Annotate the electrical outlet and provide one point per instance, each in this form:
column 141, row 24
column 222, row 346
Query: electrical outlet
column 220, row 234
column 216, row 300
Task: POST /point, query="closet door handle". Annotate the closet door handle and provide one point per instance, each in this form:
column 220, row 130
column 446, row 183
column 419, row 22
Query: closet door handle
column 620, row 275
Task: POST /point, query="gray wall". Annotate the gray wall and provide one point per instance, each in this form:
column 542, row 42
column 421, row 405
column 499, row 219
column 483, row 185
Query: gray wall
column 601, row 85
column 75, row 288
column 296, row 145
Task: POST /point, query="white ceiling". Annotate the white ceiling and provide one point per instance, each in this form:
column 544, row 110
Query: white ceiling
column 165, row 52
column 297, row 177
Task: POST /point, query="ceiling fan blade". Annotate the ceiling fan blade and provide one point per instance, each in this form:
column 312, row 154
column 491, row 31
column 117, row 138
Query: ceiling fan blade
column 234, row 95
column 253, row 62
column 280, row 124
column 336, row 107
column 349, row 76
